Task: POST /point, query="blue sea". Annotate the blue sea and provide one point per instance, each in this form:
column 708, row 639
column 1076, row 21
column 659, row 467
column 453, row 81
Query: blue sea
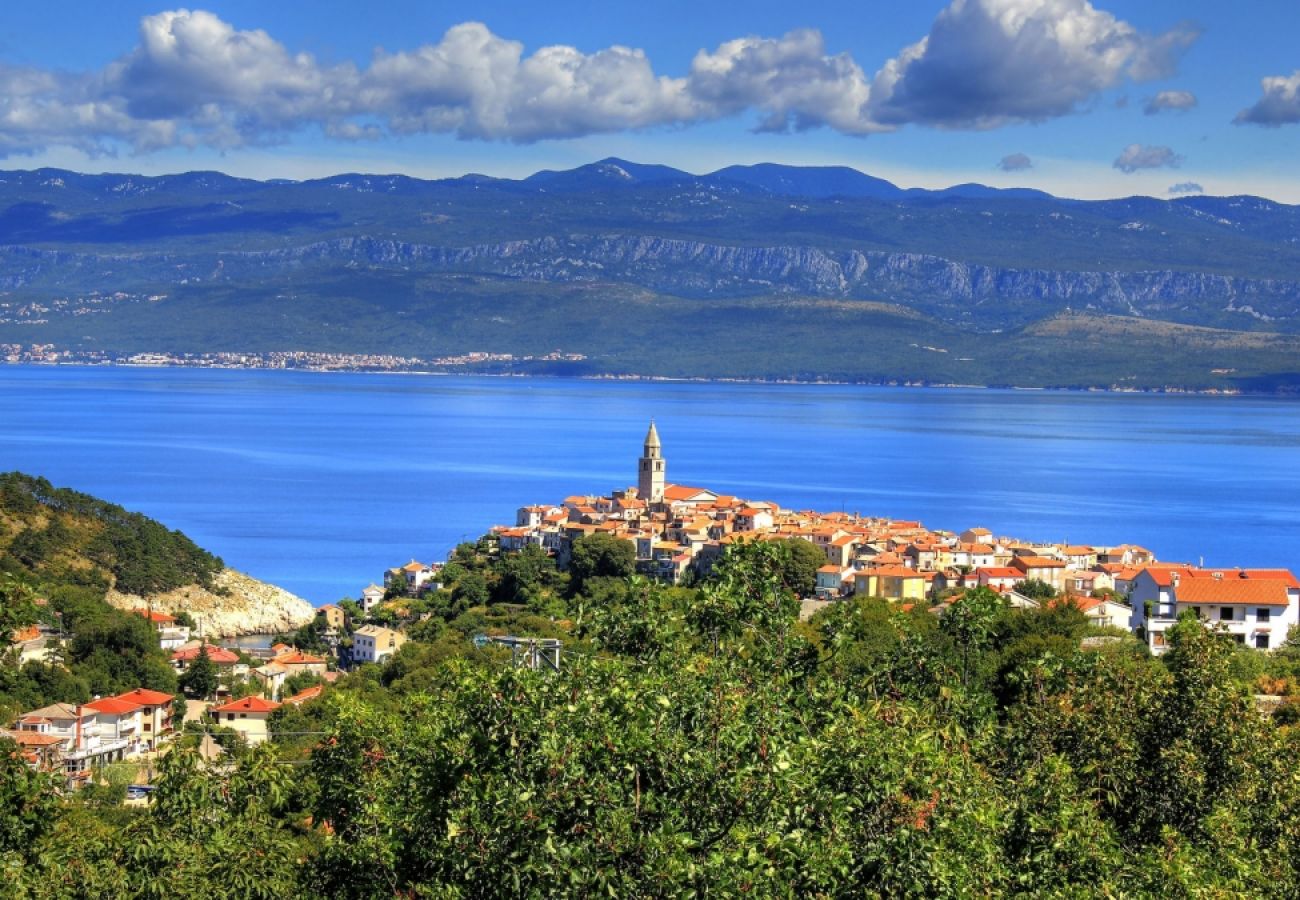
column 318, row 482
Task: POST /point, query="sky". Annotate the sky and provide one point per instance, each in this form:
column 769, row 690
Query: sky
column 1090, row 100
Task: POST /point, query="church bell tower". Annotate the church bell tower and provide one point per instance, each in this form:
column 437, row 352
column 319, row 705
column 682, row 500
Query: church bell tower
column 650, row 476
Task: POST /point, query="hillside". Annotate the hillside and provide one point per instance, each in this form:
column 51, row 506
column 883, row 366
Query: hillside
column 65, row 542
column 593, row 259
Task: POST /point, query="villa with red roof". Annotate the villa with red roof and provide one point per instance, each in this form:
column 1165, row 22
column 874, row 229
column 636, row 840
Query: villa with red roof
column 1257, row 607
column 247, row 716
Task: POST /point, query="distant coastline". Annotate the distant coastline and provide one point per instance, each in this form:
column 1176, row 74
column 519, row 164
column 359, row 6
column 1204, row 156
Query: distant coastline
column 487, row 365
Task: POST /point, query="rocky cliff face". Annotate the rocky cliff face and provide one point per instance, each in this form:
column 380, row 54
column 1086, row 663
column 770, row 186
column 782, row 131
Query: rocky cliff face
column 954, row 290
column 243, row 605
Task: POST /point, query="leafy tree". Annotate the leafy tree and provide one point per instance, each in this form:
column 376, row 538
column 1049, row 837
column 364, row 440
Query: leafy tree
column 28, row 803
column 1035, row 589
column 799, row 571
column 200, row 679
column 599, row 555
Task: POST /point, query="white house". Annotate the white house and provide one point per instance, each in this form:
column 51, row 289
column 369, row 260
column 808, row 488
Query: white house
column 247, row 716
column 371, row 596
column 1257, row 607
column 373, row 643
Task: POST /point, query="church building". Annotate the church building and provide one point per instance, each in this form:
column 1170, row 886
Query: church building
column 650, row 476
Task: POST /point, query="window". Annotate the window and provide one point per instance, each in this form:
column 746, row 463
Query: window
column 1261, row 642
column 1262, row 615
column 230, row 717
column 1225, row 613
column 1196, row 611
column 243, row 715
column 1239, row 638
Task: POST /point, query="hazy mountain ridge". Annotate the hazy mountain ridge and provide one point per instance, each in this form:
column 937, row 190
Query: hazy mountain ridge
column 389, row 263
column 984, row 297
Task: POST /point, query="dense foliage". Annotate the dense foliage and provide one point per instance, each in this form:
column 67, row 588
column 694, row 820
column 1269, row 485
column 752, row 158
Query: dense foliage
column 705, row 742
column 49, row 530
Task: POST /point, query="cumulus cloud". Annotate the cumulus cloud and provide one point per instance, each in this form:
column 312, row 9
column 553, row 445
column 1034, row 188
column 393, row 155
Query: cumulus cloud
column 1280, row 104
column 791, row 80
column 1138, row 156
column 193, row 79
column 1015, row 162
column 986, row 63
column 1186, row 187
column 1177, row 101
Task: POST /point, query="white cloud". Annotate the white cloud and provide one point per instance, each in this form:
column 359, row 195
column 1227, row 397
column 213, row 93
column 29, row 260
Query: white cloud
column 1015, row 162
column 1177, row 101
column 1138, row 156
column 195, row 80
column 986, row 63
column 1280, row 104
column 790, row 80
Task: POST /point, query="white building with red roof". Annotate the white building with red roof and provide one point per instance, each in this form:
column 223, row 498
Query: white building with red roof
column 1257, row 607
column 247, row 716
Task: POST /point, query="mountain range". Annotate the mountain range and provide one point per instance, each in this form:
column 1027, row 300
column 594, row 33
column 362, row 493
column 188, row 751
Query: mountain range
column 612, row 260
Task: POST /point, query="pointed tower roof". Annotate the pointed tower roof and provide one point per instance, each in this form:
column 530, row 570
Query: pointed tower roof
column 652, row 436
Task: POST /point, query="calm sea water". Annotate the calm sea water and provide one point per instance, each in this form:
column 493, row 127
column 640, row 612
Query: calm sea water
column 317, row 482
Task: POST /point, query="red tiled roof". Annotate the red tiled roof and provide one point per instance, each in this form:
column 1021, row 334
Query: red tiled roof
column 1036, row 562
column 1233, row 591
column 219, row 655
column 303, row 696
column 113, row 706
column 146, row 697
column 247, row 704
column 156, row 617
column 298, row 659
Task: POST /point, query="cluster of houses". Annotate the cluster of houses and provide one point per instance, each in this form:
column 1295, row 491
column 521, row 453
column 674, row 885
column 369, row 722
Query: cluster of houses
column 76, row 739
column 676, row 529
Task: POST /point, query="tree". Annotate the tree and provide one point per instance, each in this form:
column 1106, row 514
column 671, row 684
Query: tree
column 200, row 679
column 599, row 555
column 800, row 569
column 1035, row 589
column 28, row 803
column 17, row 607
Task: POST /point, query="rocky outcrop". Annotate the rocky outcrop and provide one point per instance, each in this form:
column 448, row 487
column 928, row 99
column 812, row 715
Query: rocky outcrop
column 237, row 604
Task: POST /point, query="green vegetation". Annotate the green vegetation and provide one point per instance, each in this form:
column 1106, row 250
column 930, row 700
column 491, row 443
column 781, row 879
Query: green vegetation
column 705, row 742
column 58, row 534
column 66, row 549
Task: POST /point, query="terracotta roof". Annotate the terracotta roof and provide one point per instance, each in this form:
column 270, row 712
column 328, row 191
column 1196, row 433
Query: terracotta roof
column 154, row 616
column 1233, row 591
column 303, row 696
column 113, row 706
column 146, row 697
column 1037, row 562
column 247, row 704
column 298, row 659
column 219, row 655
column 31, row 738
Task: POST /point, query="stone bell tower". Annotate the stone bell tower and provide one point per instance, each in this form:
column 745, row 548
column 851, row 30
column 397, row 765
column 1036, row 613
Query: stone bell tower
column 650, row 476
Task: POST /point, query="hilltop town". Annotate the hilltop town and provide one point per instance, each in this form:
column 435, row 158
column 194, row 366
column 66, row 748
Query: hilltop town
column 678, row 531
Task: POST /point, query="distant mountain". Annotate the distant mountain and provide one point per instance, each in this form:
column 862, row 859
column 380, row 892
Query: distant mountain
column 362, row 260
column 818, row 182
column 606, row 173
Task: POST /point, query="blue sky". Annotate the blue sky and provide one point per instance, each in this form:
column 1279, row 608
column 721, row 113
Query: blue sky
column 1082, row 99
